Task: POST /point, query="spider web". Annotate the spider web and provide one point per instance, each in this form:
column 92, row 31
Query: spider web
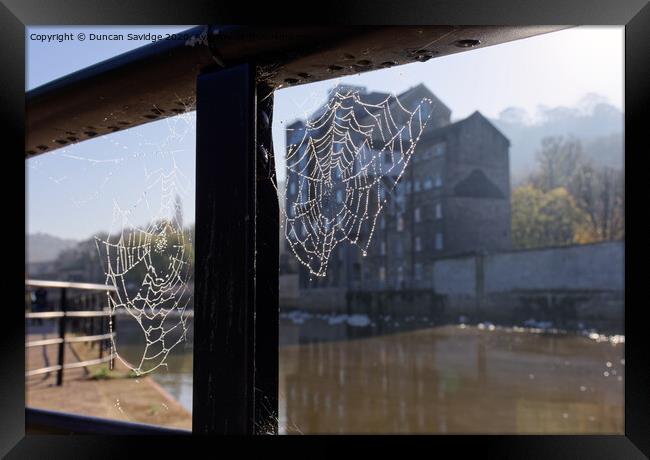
column 346, row 161
column 150, row 265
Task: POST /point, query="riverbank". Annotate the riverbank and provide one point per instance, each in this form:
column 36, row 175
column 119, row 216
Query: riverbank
column 100, row 391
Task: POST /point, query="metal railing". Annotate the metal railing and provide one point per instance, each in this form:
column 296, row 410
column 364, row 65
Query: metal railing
column 228, row 75
column 43, row 421
column 65, row 316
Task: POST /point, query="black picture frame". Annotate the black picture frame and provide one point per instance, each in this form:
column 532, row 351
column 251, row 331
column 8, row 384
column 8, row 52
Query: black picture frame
column 634, row 14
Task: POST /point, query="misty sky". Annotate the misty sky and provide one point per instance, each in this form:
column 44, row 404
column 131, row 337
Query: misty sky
column 73, row 193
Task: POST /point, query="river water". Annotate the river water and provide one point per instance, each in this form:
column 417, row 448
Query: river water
column 338, row 375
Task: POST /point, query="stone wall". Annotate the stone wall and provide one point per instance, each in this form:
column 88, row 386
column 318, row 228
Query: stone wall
column 571, row 287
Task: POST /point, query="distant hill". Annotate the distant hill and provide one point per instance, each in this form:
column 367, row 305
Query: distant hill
column 596, row 123
column 42, row 247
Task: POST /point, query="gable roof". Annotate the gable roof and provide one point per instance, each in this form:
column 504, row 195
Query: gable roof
column 477, row 185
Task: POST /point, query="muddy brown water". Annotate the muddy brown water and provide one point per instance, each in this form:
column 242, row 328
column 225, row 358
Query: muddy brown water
column 445, row 379
column 453, row 380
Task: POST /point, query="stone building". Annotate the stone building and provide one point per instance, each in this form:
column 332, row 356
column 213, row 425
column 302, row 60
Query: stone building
column 453, row 198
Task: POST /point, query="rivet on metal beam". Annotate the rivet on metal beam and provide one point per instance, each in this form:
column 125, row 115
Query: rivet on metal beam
column 467, row 43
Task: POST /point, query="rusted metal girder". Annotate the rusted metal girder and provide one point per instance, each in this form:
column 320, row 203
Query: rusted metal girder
column 159, row 80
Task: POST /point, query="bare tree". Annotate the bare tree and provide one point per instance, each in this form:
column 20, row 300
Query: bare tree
column 558, row 161
column 600, row 193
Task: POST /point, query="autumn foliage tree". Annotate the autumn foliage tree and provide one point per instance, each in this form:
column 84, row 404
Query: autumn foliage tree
column 568, row 199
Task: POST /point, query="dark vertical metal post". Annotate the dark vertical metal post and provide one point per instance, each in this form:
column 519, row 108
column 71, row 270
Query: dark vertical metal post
column 63, row 307
column 224, row 312
column 267, row 266
column 102, row 330
column 113, row 328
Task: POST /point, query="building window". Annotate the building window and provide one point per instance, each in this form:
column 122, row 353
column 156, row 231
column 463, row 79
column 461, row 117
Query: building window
column 382, row 248
column 417, row 215
column 292, row 188
column 408, row 186
column 382, row 273
column 439, row 149
column 418, row 244
column 438, row 211
column 439, row 242
column 418, row 272
column 339, row 196
column 428, row 183
column 438, row 180
column 416, row 185
column 388, row 157
column 382, row 222
column 400, row 277
column 400, row 223
column 356, row 271
column 399, row 248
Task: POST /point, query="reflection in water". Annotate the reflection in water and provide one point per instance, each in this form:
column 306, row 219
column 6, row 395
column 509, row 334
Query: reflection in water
column 453, row 379
column 175, row 376
column 445, row 379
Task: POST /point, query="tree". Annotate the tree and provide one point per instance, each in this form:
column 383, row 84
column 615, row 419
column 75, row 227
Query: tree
column 558, row 161
column 542, row 218
column 600, row 193
column 596, row 191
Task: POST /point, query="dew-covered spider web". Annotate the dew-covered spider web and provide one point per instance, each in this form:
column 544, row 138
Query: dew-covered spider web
column 149, row 267
column 342, row 164
column 133, row 184
column 150, row 264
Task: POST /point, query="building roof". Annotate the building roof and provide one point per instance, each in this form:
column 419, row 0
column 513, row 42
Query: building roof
column 477, row 185
column 410, row 100
column 459, row 124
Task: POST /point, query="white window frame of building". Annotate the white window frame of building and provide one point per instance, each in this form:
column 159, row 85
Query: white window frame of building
column 418, row 244
column 439, row 242
column 418, row 272
column 339, row 196
column 438, row 211
column 400, row 222
column 400, row 276
column 382, row 273
column 438, row 180
column 417, row 215
column 439, row 148
column 382, row 248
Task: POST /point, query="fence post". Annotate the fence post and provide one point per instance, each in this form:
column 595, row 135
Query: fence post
column 267, row 263
column 102, row 325
column 113, row 329
column 63, row 307
column 224, row 307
